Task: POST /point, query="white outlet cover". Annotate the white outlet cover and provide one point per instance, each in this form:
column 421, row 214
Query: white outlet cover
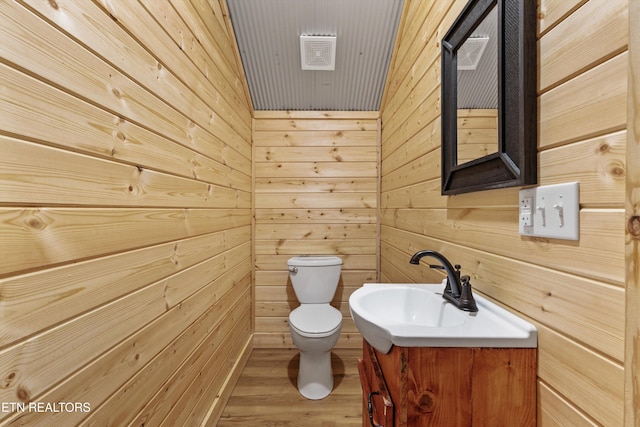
column 555, row 212
column 527, row 197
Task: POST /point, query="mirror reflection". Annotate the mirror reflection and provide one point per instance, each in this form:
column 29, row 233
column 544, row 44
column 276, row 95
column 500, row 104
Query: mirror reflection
column 477, row 91
column 506, row 155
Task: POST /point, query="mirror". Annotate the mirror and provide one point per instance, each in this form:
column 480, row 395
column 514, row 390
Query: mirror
column 477, row 91
column 489, row 114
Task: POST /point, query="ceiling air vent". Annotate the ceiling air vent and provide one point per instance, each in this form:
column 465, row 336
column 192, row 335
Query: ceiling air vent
column 470, row 52
column 318, row 52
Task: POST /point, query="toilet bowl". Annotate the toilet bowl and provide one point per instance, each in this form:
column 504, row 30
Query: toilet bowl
column 315, row 325
column 315, row 376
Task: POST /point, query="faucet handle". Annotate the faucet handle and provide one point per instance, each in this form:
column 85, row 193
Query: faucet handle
column 467, row 302
column 457, row 267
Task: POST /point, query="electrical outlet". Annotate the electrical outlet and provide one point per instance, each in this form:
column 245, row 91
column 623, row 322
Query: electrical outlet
column 527, row 198
column 525, row 211
column 551, row 211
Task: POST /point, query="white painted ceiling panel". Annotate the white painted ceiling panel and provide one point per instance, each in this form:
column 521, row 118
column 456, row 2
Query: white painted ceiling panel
column 268, row 31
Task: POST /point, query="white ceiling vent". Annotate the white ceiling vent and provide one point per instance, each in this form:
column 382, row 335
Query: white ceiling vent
column 318, row 52
column 470, row 52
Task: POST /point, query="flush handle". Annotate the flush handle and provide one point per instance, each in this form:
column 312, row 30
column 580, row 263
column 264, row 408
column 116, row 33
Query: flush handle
column 293, row 270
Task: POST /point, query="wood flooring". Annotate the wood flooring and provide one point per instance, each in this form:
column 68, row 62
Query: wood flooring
column 266, row 393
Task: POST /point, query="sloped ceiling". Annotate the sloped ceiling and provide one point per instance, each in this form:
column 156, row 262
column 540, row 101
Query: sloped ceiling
column 267, row 33
column 479, row 88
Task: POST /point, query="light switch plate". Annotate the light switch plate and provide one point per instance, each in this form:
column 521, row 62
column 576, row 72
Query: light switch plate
column 554, row 212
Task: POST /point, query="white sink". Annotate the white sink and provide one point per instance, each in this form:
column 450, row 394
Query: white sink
column 416, row 315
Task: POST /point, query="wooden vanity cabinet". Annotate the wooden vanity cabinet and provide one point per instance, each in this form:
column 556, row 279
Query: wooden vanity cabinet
column 452, row 387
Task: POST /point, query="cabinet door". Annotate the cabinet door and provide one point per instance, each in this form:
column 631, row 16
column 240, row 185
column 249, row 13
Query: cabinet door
column 377, row 408
column 504, row 387
column 439, row 387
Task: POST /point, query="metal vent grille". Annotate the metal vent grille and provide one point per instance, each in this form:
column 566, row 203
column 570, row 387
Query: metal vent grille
column 470, row 52
column 318, row 52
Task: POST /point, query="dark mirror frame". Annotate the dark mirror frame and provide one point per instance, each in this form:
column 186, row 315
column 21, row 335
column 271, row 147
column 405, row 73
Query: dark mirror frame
column 515, row 163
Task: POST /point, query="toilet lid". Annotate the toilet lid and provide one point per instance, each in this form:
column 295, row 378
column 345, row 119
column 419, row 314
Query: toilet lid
column 315, row 318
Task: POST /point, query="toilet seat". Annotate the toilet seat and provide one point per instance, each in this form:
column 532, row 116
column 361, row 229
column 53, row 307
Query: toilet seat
column 315, row 320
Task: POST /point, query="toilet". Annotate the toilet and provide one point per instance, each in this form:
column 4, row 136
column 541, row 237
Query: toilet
column 315, row 324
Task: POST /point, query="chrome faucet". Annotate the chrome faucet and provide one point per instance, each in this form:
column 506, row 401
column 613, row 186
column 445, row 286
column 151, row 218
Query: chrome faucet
column 458, row 289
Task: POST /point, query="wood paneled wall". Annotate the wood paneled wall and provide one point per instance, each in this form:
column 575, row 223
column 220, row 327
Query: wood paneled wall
column 126, row 183
column 632, row 235
column 125, row 211
column 477, row 133
column 573, row 291
column 316, row 193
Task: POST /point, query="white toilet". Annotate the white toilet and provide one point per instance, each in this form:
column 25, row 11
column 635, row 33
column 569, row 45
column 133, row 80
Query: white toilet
column 315, row 325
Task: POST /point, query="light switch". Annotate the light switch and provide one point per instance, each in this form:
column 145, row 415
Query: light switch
column 554, row 211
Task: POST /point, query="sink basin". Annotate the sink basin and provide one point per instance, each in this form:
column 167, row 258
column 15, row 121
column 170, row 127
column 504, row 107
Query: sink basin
column 416, row 315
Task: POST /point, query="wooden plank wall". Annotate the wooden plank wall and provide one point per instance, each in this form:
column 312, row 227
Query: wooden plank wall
column 477, row 133
column 632, row 236
column 316, row 193
column 573, row 291
column 125, row 211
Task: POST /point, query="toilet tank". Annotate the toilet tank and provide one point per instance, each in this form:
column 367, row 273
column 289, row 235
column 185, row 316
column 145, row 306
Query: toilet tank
column 315, row 278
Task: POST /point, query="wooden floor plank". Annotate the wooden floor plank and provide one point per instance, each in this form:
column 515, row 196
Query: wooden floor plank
column 266, row 393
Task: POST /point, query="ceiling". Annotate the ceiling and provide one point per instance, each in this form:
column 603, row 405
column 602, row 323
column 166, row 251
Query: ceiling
column 478, row 88
column 268, row 31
